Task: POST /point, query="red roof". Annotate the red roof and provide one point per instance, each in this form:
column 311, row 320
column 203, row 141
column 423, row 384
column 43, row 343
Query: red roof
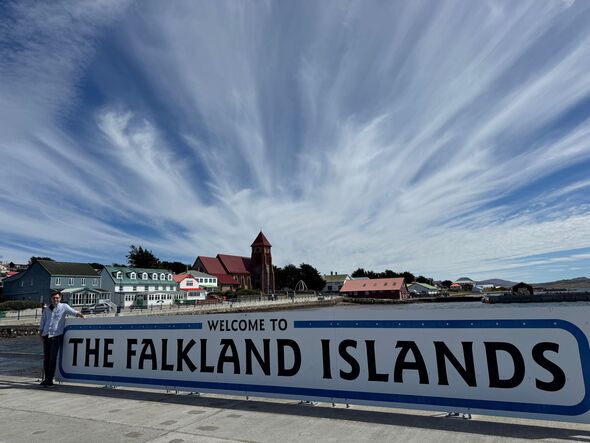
column 179, row 277
column 234, row 264
column 193, row 289
column 212, row 265
column 261, row 240
column 11, row 273
column 375, row 284
column 224, row 279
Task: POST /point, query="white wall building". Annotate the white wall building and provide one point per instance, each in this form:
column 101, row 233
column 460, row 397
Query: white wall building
column 207, row 281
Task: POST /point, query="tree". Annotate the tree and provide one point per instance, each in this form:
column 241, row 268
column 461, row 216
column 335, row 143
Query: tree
column 408, row 277
column 311, row 277
column 142, row 258
column 289, row 276
column 286, row 277
column 389, row 274
column 175, row 266
column 360, row 272
column 96, row 265
column 446, row 283
column 33, row 259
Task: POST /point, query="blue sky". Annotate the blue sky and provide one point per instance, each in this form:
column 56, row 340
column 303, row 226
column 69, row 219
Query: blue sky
column 440, row 137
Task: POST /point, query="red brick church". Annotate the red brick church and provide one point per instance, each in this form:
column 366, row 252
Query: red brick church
column 233, row 272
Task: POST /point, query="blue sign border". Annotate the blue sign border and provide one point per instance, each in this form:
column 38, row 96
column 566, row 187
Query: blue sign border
column 534, row 408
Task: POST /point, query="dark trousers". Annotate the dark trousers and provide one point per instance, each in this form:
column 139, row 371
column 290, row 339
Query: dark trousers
column 51, row 348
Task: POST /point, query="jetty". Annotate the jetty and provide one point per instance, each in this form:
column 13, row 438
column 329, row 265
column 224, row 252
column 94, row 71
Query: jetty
column 80, row 413
column 544, row 297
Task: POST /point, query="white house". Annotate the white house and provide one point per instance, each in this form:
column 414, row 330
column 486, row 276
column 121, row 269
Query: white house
column 207, row 281
column 334, row 282
column 139, row 286
column 189, row 288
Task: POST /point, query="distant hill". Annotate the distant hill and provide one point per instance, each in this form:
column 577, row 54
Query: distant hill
column 497, row 282
column 572, row 283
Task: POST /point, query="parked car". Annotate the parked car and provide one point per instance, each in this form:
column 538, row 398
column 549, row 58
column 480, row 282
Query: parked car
column 99, row 308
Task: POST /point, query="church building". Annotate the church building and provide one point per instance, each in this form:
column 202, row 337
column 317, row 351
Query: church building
column 232, row 271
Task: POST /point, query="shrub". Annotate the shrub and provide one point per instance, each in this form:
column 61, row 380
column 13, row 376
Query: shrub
column 17, row 305
column 247, row 292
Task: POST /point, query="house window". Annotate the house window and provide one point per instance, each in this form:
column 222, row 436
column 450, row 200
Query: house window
column 119, row 275
column 57, row 281
column 70, row 282
column 154, row 276
column 190, row 283
column 144, row 276
column 95, row 282
column 133, row 276
column 83, row 282
column 160, row 288
column 134, row 288
column 162, row 276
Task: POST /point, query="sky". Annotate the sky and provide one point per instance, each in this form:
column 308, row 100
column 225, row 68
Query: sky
column 445, row 138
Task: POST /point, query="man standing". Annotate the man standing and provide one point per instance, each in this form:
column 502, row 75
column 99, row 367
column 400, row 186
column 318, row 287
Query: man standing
column 51, row 329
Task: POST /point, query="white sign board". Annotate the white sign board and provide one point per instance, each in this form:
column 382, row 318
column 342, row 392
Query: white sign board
column 525, row 362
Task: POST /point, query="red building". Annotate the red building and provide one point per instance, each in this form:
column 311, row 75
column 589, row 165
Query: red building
column 394, row 288
column 232, row 271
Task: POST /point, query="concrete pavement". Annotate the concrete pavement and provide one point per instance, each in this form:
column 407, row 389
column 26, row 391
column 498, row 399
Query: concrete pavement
column 87, row 413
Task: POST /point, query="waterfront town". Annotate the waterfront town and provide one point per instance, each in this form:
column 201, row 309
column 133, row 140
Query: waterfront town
column 214, row 279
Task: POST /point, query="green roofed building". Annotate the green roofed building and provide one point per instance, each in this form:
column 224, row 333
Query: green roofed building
column 334, row 281
column 140, row 286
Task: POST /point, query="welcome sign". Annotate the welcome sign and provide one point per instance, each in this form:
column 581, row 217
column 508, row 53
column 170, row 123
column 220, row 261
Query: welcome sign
column 526, row 362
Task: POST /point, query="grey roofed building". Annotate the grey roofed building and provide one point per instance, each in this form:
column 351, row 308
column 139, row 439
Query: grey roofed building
column 67, row 268
column 196, row 273
column 423, row 289
column 45, row 277
column 207, row 281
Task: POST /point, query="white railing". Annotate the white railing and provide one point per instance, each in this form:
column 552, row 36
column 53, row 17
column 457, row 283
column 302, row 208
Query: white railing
column 32, row 316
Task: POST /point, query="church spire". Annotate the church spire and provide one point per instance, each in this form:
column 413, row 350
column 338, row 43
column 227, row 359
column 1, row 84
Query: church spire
column 261, row 240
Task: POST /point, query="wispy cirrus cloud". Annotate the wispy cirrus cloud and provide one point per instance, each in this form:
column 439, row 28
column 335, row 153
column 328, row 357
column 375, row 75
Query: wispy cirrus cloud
column 438, row 138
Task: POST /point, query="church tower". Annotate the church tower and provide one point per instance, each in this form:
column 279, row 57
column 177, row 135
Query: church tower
column 262, row 272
